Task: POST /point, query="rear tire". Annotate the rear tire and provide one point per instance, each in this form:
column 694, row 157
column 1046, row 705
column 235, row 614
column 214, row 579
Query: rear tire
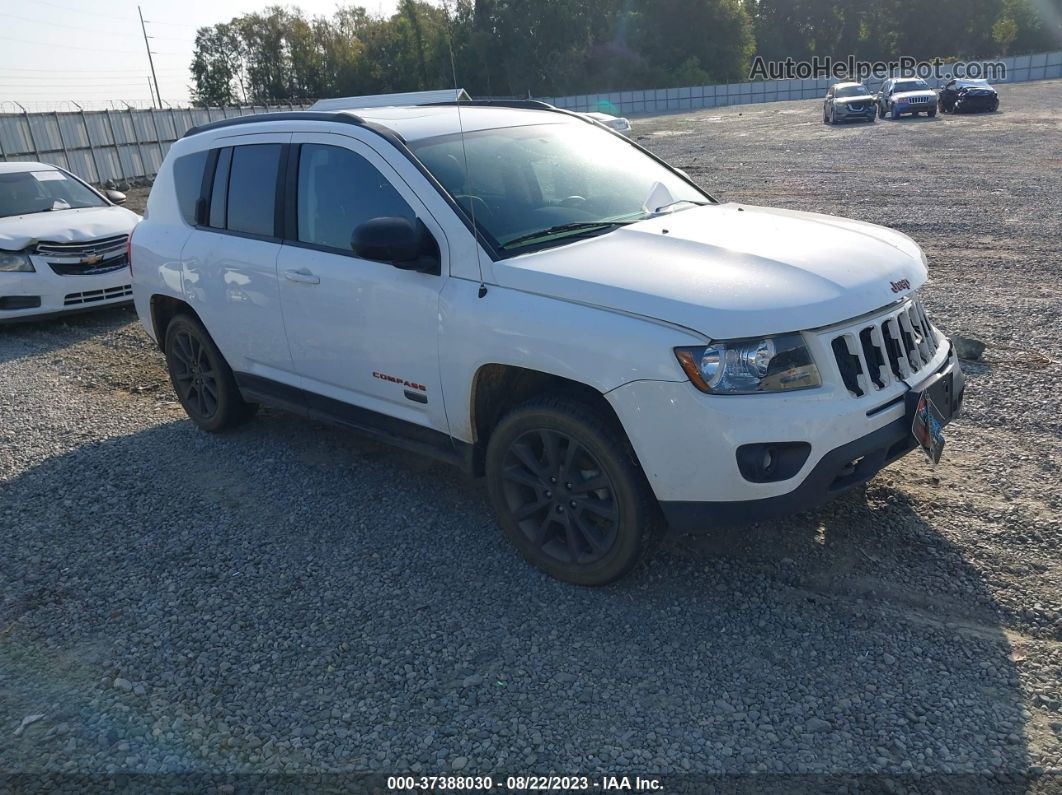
column 201, row 377
column 568, row 491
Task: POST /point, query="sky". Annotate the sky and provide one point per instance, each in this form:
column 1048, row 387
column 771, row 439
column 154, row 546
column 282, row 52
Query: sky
column 91, row 52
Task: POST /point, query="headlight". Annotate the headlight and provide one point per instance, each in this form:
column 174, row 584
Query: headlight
column 744, row 367
column 11, row 261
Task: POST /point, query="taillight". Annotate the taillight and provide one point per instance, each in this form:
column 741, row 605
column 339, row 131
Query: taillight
column 129, row 251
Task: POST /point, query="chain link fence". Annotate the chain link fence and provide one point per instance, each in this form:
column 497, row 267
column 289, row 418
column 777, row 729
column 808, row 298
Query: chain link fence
column 107, row 145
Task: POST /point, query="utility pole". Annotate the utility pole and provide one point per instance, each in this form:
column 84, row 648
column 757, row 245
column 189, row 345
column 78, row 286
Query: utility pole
column 151, row 91
column 147, row 46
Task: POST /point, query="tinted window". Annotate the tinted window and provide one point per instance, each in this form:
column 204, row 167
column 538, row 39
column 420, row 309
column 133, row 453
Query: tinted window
column 851, row 91
column 529, row 179
column 253, row 188
column 338, row 190
column 45, row 190
column 219, row 193
column 188, row 182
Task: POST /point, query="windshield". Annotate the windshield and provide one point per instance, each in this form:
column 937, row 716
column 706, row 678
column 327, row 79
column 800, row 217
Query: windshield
column 24, row 192
column 910, row 85
column 850, row 91
column 560, row 180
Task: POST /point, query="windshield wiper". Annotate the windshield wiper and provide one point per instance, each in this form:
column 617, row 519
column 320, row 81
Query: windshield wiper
column 579, row 226
column 659, row 210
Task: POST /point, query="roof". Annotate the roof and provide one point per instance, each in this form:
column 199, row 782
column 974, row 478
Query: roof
column 412, row 123
column 420, row 122
column 16, row 166
column 849, row 84
column 391, row 100
column 970, row 81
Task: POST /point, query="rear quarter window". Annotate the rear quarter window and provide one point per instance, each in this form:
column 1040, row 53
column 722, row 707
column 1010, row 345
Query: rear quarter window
column 253, row 189
column 188, row 183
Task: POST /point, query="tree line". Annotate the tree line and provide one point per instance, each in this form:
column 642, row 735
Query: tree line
column 521, row 48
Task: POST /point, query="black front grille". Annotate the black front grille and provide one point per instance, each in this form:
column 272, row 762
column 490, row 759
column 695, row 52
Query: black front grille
column 894, row 346
column 91, row 296
column 101, row 247
column 85, row 269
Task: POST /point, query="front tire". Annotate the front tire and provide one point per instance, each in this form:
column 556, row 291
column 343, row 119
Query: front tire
column 568, row 492
column 202, row 378
column 895, row 113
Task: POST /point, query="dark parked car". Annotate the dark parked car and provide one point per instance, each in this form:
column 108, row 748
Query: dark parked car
column 965, row 96
column 901, row 96
column 847, row 101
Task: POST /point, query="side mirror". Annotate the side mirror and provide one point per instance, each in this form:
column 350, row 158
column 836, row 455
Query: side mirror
column 115, row 196
column 406, row 244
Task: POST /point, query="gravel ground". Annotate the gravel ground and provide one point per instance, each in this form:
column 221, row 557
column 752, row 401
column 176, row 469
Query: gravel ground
column 292, row 598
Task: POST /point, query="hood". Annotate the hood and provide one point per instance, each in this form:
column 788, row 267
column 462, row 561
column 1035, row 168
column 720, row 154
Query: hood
column 922, row 92
column 860, row 98
column 18, row 232
column 977, row 90
column 729, row 270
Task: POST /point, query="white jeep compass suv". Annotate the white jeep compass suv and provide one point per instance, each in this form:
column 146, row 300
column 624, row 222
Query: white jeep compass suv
column 535, row 298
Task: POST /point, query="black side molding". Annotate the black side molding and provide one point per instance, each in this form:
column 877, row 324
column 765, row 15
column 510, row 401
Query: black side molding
column 407, row 435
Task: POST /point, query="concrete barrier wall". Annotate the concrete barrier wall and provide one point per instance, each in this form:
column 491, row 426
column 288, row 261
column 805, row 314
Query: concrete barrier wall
column 1020, row 69
column 106, row 145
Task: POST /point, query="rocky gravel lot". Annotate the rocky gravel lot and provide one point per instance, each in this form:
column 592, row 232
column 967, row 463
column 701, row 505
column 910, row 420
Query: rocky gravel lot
column 293, row 598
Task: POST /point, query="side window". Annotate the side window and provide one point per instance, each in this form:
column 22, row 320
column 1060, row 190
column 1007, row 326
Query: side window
column 188, row 183
column 253, row 189
column 338, row 190
column 219, row 193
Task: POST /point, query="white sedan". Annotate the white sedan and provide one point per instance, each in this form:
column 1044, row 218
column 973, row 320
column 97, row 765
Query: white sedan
column 63, row 244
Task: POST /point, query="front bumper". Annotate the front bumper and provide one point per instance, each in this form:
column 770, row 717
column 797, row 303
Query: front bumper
column 906, row 106
column 844, row 113
column 46, row 293
column 975, row 104
column 847, row 449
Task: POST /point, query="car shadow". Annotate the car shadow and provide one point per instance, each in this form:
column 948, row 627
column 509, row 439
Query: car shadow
column 919, row 119
column 314, row 591
column 32, row 336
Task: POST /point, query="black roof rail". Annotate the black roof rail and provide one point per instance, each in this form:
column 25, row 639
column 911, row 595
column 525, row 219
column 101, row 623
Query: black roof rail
column 521, row 104
column 288, row 115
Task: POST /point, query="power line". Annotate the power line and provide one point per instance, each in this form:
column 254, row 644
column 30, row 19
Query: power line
column 64, row 25
column 90, row 49
column 175, row 24
column 39, row 80
column 113, row 16
column 85, row 71
column 80, row 11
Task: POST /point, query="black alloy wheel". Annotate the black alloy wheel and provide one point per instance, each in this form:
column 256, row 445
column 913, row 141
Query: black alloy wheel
column 194, row 375
column 560, row 498
column 568, row 490
column 201, row 378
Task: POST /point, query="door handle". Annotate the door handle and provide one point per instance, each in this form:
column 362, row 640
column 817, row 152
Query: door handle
column 302, row 276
